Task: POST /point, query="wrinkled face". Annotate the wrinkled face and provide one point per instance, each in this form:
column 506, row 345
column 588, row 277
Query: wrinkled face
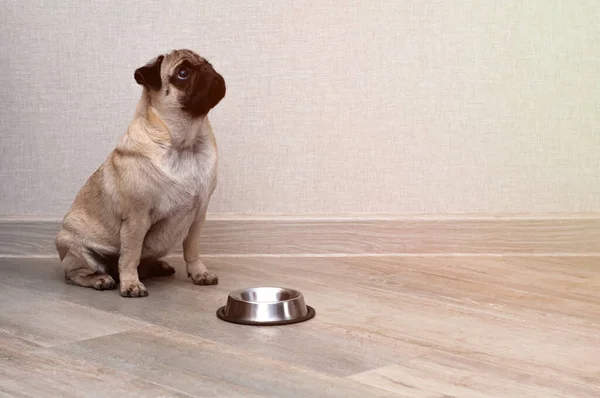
column 184, row 80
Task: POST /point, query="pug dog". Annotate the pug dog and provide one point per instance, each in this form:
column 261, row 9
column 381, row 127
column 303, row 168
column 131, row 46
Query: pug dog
column 152, row 191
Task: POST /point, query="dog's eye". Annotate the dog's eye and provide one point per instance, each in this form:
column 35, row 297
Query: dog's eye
column 183, row 73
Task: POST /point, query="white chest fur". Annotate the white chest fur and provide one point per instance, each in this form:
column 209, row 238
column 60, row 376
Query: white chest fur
column 190, row 178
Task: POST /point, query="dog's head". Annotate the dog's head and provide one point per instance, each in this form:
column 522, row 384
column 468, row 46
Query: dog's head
column 182, row 80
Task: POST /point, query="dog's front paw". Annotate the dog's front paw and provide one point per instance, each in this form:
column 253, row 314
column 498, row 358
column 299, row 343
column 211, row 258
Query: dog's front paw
column 204, row 278
column 133, row 289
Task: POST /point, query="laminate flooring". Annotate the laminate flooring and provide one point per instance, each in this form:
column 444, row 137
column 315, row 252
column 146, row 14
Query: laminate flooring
column 459, row 326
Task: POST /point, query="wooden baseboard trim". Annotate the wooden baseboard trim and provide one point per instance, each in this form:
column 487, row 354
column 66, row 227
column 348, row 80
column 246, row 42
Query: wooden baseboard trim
column 355, row 236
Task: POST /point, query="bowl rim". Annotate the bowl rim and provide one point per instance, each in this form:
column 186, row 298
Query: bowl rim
column 240, row 300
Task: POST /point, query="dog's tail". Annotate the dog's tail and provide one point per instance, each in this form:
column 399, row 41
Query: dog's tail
column 61, row 243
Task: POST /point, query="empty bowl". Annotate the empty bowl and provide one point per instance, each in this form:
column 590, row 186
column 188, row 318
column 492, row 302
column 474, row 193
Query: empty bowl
column 263, row 306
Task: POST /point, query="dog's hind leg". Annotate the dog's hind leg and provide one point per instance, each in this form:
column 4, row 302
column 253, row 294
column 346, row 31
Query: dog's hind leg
column 78, row 272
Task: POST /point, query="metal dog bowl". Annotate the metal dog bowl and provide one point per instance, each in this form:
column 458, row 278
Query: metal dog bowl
column 264, row 306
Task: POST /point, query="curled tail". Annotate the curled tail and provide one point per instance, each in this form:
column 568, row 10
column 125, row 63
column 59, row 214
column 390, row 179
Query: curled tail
column 61, row 243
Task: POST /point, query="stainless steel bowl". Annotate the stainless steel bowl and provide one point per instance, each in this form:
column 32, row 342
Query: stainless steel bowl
column 263, row 306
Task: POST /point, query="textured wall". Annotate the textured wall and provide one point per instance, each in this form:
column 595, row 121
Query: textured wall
column 333, row 106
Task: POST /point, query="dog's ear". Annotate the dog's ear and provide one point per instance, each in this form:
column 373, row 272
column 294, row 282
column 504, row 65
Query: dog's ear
column 149, row 75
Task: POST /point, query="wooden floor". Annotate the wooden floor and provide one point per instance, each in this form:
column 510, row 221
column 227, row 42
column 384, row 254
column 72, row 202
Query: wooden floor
column 385, row 327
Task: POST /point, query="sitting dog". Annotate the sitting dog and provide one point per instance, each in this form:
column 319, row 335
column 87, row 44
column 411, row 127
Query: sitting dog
column 153, row 189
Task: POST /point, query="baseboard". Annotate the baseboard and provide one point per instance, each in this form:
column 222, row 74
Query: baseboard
column 355, row 235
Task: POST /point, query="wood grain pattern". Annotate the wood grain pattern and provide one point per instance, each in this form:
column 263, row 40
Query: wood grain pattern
column 178, row 304
column 355, row 236
column 47, row 322
column 385, row 326
column 25, row 373
column 442, row 375
column 193, row 364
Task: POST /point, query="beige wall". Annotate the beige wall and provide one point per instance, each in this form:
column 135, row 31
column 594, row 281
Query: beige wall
column 333, row 106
